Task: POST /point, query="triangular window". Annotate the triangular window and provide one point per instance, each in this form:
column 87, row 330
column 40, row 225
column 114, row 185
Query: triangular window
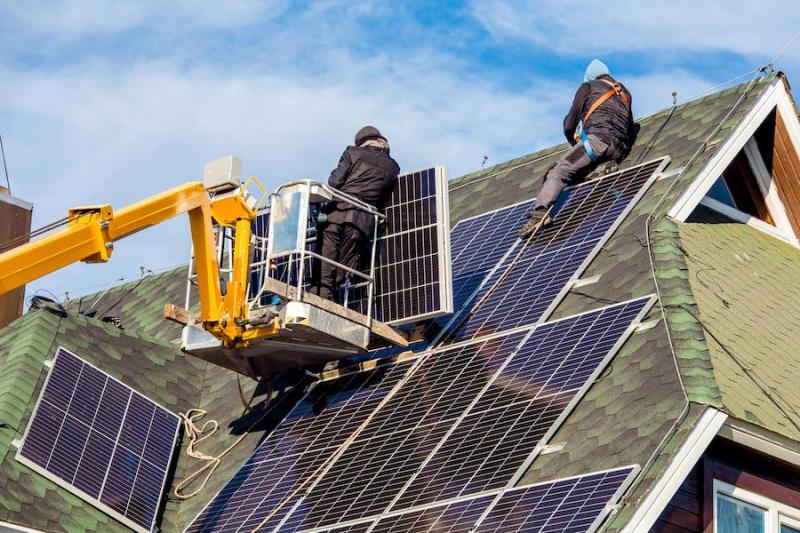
column 754, row 176
column 761, row 185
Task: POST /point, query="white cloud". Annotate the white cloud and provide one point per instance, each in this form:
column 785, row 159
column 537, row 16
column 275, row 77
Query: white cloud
column 70, row 18
column 95, row 134
column 101, row 128
column 578, row 27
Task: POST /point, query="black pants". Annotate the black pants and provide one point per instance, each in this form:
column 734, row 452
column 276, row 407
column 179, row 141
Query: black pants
column 572, row 168
column 340, row 242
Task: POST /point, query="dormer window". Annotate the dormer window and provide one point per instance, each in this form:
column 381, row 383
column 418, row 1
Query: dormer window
column 738, row 188
column 754, row 178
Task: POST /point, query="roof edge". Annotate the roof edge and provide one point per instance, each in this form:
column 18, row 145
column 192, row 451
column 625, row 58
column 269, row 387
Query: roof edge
column 660, row 494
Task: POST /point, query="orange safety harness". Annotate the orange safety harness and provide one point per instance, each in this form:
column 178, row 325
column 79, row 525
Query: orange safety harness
column 616, row 89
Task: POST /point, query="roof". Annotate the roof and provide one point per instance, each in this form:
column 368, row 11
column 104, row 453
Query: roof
column 627, row 416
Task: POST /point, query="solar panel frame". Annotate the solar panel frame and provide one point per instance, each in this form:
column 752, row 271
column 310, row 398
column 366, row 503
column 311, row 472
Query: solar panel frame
column 74, row 489
column 493, row 524
column 399, row 228
column 571, row 400
column 455, row 321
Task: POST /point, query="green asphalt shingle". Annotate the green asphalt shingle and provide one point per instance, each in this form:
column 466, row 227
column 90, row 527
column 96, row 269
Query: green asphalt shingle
column 625, row 415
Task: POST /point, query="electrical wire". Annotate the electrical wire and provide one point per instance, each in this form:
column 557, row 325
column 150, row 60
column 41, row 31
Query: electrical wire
column 22, row 239
column 653, row 272
column 5, row 166
column 784, row 49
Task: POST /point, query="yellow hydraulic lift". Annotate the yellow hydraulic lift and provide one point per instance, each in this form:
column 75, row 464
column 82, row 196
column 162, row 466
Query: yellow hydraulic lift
column 220, row 201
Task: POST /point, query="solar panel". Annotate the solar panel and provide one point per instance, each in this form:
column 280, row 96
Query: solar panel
column 454, row 427
column 296, row 451
column 479, row 243
column 101, row 440
column 401, row 435
column 523, row 405
column 456, row 517
column 527, row 291
column 412, row 277
column 577, row 504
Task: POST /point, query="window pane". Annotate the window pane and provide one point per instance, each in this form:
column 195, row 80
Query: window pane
column 720, row 192
column 787, row 529
column 734, row 516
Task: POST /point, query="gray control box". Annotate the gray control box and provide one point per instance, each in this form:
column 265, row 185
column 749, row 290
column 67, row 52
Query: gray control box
column 222, row 174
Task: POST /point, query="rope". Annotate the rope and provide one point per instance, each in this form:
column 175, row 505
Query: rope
column 653, row 268
column 197, row 435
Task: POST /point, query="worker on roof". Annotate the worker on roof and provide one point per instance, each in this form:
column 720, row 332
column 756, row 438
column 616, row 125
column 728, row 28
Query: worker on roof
column 607, row 131
column 369, row 173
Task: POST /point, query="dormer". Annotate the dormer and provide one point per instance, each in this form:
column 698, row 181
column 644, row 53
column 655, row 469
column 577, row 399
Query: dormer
column 754, row 178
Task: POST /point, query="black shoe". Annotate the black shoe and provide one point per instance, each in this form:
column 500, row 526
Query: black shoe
column 537, row 218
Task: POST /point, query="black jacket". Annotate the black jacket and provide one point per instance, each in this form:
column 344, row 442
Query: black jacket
column 612, row 121
column 370, row 175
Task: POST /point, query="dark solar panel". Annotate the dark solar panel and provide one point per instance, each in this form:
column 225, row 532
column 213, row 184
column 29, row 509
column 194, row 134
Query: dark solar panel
column 101, row 440
column 413, row 264
column 522, row 405
column 402, row 434
column 525, row 293
column 577, row 504
column 296, row 450
column 457, row 517
column 479, row 243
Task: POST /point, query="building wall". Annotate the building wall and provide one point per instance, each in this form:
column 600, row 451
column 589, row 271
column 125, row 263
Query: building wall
column 15, row 223
column 692, row 507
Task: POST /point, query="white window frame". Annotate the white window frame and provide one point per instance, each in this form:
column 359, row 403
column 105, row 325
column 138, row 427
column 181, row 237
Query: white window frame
column 776, row 513
column 791, row 522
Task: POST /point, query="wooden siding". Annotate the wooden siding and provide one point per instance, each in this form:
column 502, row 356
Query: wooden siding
column 15, row 222
column 691, row 508
column 786, row 172
column 684, row 513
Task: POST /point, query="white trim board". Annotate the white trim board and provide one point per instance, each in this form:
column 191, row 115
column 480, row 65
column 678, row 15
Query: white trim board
column 713, row 169
column 761, row 440
column 744, row 218
column 679, row 467
column 741, row 139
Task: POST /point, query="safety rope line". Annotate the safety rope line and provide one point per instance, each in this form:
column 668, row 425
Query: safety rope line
column 197, row 435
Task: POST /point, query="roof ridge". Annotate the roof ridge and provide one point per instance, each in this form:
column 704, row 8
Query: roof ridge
column 544, row 153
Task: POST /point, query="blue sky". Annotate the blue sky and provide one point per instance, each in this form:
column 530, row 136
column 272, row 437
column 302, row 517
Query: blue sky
column 109, row 102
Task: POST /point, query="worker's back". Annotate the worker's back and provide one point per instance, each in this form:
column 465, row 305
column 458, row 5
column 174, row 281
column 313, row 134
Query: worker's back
column 371, row 176
column 612, row 120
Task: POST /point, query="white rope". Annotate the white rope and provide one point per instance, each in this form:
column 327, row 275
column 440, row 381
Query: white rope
column 196, row 436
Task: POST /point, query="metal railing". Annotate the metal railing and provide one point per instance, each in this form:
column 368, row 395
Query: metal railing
column 292, row 264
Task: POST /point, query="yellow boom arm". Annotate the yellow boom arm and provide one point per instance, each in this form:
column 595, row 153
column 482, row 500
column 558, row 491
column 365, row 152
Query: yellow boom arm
column 91, row 232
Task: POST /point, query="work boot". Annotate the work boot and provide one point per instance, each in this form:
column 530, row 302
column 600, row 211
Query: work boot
column 539, row 217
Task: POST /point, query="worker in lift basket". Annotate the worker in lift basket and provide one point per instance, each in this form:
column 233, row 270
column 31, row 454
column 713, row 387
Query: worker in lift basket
column 603, row 106
column 367, row 172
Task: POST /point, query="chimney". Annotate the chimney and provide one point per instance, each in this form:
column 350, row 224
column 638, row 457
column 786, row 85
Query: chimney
column 15, row 225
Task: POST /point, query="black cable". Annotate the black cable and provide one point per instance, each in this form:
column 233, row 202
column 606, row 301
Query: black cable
column 22, row 239
column 129, row 291
column 5, row 167
column 735, row 358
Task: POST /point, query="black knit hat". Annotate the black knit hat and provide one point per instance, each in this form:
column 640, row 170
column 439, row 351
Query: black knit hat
column 366, row 133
